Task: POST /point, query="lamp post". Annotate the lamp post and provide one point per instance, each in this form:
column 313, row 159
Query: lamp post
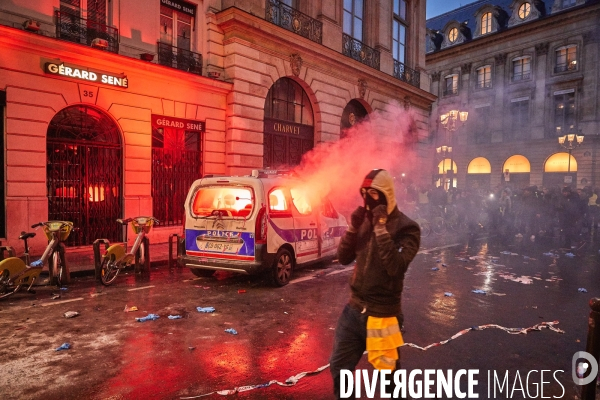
column 449, row 123
column 570, row 141
column 444, row 151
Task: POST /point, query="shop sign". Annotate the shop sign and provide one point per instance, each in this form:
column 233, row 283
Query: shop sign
column 83, row 73
column 278, row 127
column 161, row 121
column 181, row 6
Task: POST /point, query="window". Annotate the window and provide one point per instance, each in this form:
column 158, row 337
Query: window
column 175, row 28
column 486, row 23
column 96, row 9
column 278, row 201
column 564, row 112
column 223, row 201
column 482, row 127
column 521, row 68
column 287, row 101
column 399, row 31
column 453, row 35
column 568, row 3
column 519, row 117
column 566, row 58
column 484, row 77
column 524, row 10
column 353, row 19
column 302, row 200
column 451, row 85
column 176, row 164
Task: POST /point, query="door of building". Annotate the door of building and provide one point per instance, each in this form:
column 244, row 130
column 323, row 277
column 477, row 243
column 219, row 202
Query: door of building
column 84, row 168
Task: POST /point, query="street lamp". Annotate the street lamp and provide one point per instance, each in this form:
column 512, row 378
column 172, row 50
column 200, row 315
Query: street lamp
column 444, row 151
column 570, row 141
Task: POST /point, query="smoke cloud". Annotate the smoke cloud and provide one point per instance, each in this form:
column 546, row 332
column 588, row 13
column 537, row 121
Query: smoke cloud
column 337, row 169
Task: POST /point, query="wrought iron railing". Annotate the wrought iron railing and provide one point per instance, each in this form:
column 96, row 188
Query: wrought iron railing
column 484, row 84
column 176, row 57
column 521, row 77
column 566, row 67
column 406, row 74
column 359, row 51
column 450, row 91
column 293, row 20
column 72, row 28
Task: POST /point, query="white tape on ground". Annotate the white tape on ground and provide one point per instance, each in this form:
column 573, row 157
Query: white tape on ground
column 60, row 302
column 140, row 288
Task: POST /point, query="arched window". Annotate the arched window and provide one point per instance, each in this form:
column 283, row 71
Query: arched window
column 84, row 173
column 288, row 124
column 524, row 10
column 479, row 165
column 453, row 35
column 516, row 164
column 486, row 23
column 560, row 162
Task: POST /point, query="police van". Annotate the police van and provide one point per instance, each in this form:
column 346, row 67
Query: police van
column 268, row 221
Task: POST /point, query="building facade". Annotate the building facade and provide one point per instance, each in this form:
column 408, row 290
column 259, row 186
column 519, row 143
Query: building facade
column 110, row 109
column 526, row 72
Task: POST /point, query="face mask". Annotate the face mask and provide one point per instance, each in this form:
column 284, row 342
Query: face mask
column 371, row 203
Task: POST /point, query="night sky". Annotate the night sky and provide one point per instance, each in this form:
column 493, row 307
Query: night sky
column 437, row 7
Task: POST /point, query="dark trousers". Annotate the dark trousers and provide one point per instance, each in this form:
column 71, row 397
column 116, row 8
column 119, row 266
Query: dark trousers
column 350, row 343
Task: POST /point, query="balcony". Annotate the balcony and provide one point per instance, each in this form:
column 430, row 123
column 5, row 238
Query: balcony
column 360, row 52
column 572, row 66
column 293, row 20
column 72, row 28
column 521, row 77
column 451, row 91
column 406, row 74
column 484, row 84
column 179, row 58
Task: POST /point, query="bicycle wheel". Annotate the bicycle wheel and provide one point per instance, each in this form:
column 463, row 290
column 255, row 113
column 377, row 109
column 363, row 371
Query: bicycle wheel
column 425, row 227
column 438, row 225
column 109, row 270
column 57, row 264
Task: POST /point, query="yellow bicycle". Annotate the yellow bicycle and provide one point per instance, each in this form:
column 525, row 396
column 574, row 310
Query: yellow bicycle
column 16, row 273
column 116, row 257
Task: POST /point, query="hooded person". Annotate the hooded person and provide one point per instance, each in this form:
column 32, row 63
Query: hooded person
column 383, row 241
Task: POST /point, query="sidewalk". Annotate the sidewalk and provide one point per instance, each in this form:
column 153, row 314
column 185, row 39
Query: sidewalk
column 81, row 260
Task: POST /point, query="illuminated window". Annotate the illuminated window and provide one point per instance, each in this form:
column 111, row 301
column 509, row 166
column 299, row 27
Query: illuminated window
column 224, row 201
column 301, row 199
column 479, row 165
column 445, row 164
column 399, row 31
column 566, row 58
column 524, row 10
column 486, row 23
column 453, row 35
column 484, row 77
column 517, row 164
column 451, row 85
column 353, row 18
column 521, row 68
column 560, row 162
column 564, row 112
column 278, row 201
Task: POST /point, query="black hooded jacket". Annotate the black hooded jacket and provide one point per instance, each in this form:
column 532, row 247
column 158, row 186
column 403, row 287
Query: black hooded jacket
column 381, row 261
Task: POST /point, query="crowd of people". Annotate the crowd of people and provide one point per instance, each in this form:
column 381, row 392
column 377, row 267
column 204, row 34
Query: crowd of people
column 530, row 212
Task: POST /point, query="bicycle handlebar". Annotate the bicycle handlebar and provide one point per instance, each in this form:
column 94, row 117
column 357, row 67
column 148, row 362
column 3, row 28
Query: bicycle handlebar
column 128, row 220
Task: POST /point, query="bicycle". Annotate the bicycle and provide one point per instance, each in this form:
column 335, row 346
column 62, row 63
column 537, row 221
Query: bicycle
column 117, row 258
column 16, row 273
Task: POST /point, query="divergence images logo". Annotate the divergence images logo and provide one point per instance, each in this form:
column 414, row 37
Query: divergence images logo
column 579, row 369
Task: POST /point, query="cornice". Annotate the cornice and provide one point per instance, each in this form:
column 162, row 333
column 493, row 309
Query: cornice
column 275, row 41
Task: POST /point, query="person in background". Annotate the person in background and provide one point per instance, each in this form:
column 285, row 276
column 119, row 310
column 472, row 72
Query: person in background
column 383, row 241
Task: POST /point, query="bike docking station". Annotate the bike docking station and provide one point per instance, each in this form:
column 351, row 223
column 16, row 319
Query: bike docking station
column 175, row 242
column 116, row 257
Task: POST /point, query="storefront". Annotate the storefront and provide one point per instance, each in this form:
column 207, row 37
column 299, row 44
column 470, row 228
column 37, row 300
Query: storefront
column 479, row 174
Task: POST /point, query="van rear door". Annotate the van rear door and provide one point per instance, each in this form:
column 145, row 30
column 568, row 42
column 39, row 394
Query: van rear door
column 305, row 225
column 217, row 223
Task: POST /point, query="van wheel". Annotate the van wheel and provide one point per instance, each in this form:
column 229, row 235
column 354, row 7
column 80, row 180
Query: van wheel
column 282, row 268
column 202, row 273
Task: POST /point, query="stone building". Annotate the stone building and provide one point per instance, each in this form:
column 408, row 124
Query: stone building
column 526, row 72
column 111, row 108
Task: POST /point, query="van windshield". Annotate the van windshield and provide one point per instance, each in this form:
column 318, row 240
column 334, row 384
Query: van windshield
column 223, row 201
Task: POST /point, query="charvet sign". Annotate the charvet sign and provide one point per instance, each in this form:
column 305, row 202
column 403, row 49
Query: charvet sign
column 161, row 121
column 288, row 128
column 83, row 73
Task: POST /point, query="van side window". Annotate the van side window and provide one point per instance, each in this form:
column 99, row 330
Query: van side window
column 277, row 201
column 301, row 201
column 328, row 210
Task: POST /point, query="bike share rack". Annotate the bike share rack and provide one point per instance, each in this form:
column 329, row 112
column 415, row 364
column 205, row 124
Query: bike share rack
column 146, row 267
column 174, row 239
column 98, row 256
